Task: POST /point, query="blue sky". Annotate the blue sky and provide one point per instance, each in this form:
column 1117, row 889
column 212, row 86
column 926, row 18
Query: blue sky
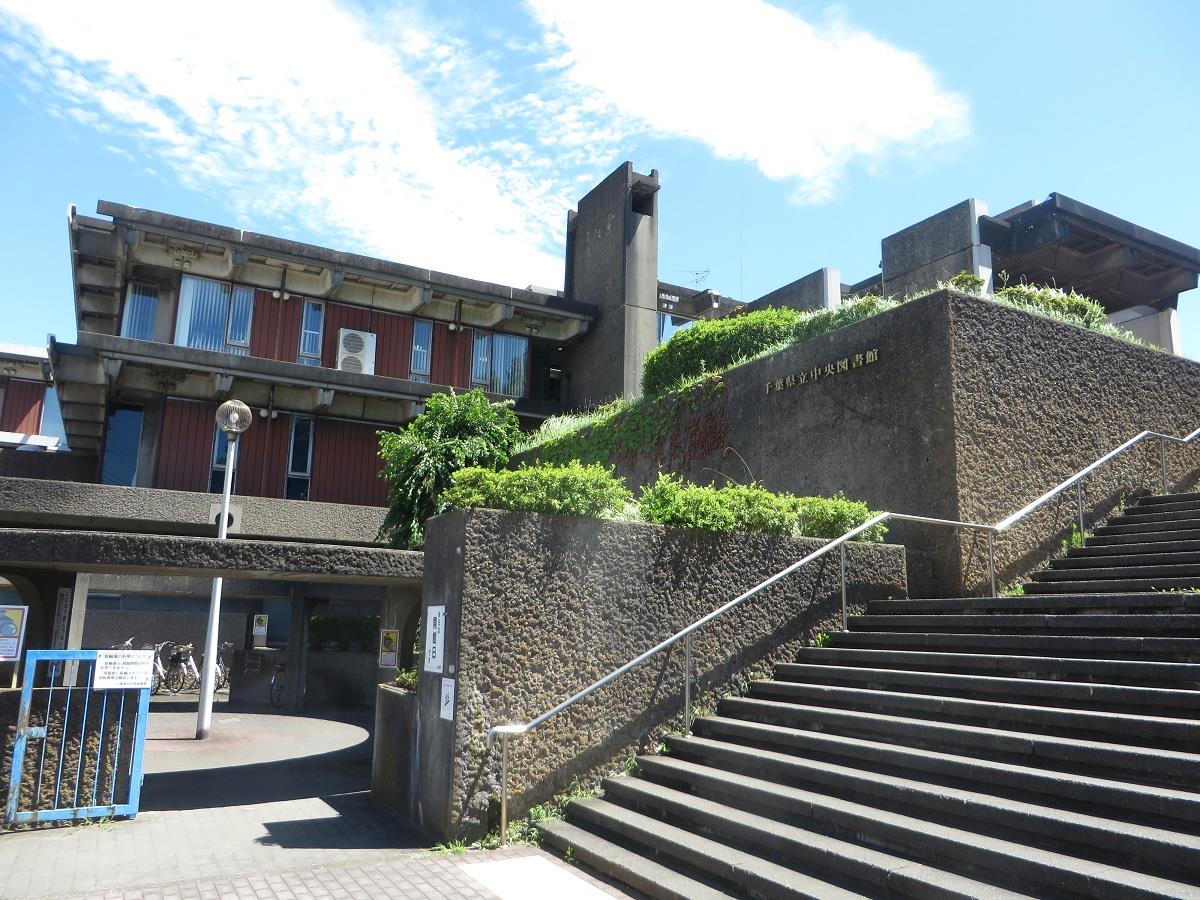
column 456, row 135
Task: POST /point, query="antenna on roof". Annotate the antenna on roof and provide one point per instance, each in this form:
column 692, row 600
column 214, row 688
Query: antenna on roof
column 699, row 276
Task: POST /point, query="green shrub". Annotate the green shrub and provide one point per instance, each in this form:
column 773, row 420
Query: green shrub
column 570, row 490
column 712, row 345
column 454, row 432
column 854, row 309
column 670, row 501
column 1069, row 306
column 831, row 517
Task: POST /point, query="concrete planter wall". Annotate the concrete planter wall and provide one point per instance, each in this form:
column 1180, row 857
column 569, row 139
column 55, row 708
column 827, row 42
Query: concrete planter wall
column 538, row 607
column 969, row 411
column 392, row 769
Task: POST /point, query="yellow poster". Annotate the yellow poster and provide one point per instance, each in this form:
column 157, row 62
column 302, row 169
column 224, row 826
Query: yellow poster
column 12, row 631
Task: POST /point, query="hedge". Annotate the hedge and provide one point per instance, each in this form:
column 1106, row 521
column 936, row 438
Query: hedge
column 571, row 490
column 1069, row 306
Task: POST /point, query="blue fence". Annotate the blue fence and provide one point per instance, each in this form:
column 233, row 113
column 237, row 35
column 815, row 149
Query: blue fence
column 77, row 753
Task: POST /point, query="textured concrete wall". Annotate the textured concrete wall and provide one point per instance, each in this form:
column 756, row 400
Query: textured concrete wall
column 971, row 411
column 105, row 627
column 392, row 759
column 1035, row 401
column 40, row 502
column 936, row 249
column 63, row 466
column 540, row 606
column 817, row 290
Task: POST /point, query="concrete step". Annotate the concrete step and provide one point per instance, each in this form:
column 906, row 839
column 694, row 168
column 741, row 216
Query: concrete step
column 1146, row 731
column 1088, row 776
column 744, row 873
column 635, row 868
column 1149, row 625
column 1147, row 499
column 1185, row 584
column 1083, row 560
column 1050, row 692
column 1061, row 603
column 1118, row 571
column 956, row 829
column 801, row 847
column 1102, row 539
column 1131, row 548
column 1159, row 513
column 1114, row 647
column 1164, row 503
column 1174, row 526
column 1180, row 676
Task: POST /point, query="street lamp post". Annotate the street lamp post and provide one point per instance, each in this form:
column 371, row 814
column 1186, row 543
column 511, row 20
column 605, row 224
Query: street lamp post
column 233, row 417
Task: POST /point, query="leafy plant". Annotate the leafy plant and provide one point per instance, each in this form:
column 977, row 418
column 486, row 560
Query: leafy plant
column 451, row 848
column 853, row 309
column 573, row 490
column 456, row 431
column 715, row 344
column 406, row 679
column 1016, row 589
column 831, row 517
column 820, row 639
column 968, row 282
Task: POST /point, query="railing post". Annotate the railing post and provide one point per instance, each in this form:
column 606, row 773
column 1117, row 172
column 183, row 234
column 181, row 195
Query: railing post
column 503, row 790
column 1079, row 504
column 1162, row 450
column 687, row 684
column 992, row 560
column 845, row 622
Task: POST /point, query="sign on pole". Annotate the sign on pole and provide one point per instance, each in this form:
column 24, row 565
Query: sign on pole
column 435, row 638
column 389, row 648
column 121, row 669
column 12, row 632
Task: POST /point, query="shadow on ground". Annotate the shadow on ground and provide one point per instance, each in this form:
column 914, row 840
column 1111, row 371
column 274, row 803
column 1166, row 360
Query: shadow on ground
column 360, row 825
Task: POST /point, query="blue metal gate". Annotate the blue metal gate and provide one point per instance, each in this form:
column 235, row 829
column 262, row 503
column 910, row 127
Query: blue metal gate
column 78, row 749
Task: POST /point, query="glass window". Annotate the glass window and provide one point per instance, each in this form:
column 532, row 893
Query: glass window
column 422, row 350
column 509, row 355
column 481, row 368
column 311, row 328
column 216, row 477
column 141, row 305
column 214, row 315
column 669, row 325
column 122, row 438
column 52, row 420
column 299, row 458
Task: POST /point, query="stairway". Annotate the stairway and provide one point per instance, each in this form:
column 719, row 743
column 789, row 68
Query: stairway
column 1046, row 745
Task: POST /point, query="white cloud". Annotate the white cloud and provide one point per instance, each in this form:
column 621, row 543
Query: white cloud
column 754, row 83
column 301, row 113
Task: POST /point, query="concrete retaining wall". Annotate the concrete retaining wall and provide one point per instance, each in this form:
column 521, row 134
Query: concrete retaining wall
column 392, row 765
column 540, row 606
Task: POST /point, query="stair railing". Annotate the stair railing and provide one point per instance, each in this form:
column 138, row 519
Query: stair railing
column 508, row 731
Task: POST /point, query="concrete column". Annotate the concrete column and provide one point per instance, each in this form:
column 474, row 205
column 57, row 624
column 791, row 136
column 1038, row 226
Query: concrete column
column 821, row 289
column 1159, row 327
column 936, row 249
column 297, row 651
column 395, row 610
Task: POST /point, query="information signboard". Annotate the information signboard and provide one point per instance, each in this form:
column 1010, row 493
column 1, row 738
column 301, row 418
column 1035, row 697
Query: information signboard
column 12, row 632
column 389, row 648
column 435, row 638
column 446, row 710
column 121, row 669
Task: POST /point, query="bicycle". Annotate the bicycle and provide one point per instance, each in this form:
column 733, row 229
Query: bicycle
column 158, row 675
column 182, row 674
column 221, row 672
column 278, row 684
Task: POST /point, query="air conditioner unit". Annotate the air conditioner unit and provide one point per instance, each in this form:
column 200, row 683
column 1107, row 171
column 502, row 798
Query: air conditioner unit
column 356, row 351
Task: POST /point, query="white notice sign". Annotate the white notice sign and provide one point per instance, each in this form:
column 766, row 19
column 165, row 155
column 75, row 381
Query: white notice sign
column 446, row 711
column 123, row 669
column 435, row 639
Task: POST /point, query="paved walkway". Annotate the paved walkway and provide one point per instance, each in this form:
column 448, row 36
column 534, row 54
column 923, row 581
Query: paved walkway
column 272, row 807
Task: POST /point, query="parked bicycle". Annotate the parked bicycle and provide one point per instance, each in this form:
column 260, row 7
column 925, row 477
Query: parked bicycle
column 182, row 674
column 278, row 685
column 158, row 675
column 223, row 665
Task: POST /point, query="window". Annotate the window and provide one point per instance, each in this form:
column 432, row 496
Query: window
column 299, row 458
column 669, row 324
column 122, row 438
column 422, row 351
column 312, row 326
column 498, row 363
column 214, row 315
column 141, row 306
column 220, row 455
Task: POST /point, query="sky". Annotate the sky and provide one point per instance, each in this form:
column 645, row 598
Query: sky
column 456, row 135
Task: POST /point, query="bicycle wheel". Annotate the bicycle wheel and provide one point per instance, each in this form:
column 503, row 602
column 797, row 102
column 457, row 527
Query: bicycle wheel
column 277, row 690
column 156, row 682
column 175, row 679
column 222, row 676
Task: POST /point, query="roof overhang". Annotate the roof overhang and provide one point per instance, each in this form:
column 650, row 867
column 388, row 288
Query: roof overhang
column 1075, row 246
column 131, row 242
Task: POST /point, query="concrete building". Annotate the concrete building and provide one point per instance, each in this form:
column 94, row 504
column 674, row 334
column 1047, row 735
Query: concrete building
column 175, row 316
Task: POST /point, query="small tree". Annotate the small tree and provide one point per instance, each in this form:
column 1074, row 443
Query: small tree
column 419, row 462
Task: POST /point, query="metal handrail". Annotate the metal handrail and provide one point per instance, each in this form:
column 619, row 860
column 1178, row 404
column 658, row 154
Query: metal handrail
column 505, row 732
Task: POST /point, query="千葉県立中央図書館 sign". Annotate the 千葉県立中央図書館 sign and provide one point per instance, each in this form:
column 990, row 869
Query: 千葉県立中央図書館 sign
column 821, row 372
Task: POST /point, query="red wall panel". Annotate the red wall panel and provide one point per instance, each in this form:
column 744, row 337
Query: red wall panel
column 338, row 316
column 23, row 406
column 275, row 328
column 262, row 457
column 451, row 356
column 346, row 464
column 185, row 446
